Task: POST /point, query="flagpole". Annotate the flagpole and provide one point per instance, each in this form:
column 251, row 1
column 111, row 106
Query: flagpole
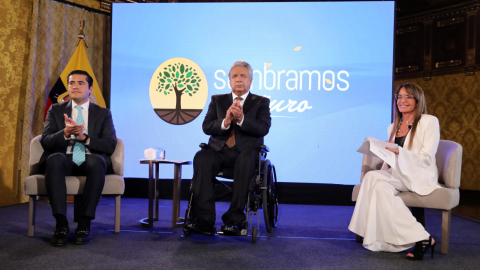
column 81, row 35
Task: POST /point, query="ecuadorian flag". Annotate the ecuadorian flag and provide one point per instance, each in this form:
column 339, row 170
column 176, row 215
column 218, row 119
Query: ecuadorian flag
column 59, row 94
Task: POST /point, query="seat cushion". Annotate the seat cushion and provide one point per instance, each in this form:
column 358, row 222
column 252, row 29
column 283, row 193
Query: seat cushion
column 441, row 198
column 35, row 185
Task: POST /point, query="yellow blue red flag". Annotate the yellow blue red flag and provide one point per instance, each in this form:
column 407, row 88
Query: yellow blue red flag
column 79, row 60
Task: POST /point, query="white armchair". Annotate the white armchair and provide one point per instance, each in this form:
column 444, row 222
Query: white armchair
column 35, row 184
column 449, row 164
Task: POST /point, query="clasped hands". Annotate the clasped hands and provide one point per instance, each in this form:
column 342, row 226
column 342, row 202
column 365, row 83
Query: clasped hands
column 71, row 128
column 234, row 114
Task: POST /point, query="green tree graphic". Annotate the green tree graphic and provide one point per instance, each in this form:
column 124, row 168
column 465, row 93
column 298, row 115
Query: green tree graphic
column 182, row 80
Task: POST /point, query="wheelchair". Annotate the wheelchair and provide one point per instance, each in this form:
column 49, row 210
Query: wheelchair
column 261, row 195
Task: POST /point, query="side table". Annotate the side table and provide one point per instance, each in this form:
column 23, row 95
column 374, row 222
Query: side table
column 177, row 221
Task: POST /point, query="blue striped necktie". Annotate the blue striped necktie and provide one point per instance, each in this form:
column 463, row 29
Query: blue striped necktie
column 79, row 149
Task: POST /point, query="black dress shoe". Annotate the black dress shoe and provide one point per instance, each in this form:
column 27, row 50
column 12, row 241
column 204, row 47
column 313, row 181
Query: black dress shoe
column 200, row 228
column 82, row 235
column 230, row 229
column 60, row 237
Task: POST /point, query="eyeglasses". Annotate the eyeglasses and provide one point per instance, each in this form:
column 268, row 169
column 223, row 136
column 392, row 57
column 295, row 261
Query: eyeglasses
column 407, row 97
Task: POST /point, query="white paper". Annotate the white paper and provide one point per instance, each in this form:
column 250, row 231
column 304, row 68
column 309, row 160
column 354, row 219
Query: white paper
column 376, row 147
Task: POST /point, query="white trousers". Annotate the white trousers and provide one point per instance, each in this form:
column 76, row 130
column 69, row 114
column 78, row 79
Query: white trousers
column 383, row 219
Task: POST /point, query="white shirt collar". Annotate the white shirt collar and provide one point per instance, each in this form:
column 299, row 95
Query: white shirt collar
column 244, row 96
column 84, row 105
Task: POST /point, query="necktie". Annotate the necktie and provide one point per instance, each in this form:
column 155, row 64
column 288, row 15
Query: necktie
column 231, row 140
column 79, row 149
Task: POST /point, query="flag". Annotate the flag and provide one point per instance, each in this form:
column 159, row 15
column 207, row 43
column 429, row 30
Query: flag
column 79, row 60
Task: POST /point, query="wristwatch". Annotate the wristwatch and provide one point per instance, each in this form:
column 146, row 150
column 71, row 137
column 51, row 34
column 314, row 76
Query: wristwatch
column 84, row 140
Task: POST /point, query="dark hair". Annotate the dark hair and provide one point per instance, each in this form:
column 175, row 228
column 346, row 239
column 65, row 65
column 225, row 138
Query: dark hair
column 82, row 72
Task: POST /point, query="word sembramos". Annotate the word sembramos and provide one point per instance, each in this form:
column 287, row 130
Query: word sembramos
column 293, row 80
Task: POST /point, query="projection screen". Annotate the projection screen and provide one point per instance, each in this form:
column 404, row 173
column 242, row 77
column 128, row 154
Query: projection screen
column 326, row 67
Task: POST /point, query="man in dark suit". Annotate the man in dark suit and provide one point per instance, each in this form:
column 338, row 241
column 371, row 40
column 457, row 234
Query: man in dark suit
column 78, row 139
column 236, row 123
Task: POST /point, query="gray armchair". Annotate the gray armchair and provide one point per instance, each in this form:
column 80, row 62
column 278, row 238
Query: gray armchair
column 449, row 164
column 35, row 184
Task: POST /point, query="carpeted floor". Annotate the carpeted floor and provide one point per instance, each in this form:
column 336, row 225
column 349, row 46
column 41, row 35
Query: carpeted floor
column 308, row 237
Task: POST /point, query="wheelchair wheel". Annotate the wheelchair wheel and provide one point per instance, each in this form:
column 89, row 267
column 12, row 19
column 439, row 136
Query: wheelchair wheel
column 269, row 196
column 254, row 234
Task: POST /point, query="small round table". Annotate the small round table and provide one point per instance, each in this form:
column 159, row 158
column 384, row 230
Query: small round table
column 177, row 221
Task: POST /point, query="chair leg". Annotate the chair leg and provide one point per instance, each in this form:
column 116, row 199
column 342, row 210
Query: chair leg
column 358, row 238
column 32, row 205
column 446, row 217
column 117, row 214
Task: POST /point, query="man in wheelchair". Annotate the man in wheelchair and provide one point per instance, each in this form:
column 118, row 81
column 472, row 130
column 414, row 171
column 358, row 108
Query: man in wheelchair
column 236, row 123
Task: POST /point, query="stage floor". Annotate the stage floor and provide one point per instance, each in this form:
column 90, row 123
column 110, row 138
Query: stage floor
column 307, row 237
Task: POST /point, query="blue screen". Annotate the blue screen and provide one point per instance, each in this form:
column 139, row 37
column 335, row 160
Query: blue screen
column 326, row 67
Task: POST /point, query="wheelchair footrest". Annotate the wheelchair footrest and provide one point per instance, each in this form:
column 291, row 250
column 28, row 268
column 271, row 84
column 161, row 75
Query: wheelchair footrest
column 192, row 229
column 230, row 231
column 233, row 231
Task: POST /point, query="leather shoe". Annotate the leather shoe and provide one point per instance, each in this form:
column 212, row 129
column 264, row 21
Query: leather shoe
column 230, row 229
column 82, row 235
column 60, row 237
column 200, row 228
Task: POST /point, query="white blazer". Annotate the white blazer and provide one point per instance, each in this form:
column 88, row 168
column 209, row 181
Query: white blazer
column 417, row 167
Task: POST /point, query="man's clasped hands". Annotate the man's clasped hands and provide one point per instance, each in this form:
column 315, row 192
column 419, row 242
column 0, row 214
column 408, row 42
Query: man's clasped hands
column 234, row 114
column 72, row 128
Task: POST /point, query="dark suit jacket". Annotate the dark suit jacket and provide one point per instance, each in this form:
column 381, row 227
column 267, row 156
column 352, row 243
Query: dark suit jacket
column 101, row 131
column 255, row 126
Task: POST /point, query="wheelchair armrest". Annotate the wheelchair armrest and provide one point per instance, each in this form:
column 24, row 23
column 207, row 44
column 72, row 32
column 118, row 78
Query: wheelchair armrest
column 262, row 154
column 264, row 148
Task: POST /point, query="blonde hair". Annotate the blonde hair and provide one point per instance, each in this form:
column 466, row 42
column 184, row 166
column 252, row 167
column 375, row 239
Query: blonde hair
column 420, row 108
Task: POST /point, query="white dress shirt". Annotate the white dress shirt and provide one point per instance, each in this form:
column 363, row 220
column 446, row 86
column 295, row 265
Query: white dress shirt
column 84, row 114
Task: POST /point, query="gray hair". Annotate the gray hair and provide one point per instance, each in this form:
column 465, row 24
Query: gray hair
column 242, row 63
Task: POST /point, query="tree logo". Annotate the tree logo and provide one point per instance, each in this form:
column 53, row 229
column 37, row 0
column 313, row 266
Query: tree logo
column 178, row 91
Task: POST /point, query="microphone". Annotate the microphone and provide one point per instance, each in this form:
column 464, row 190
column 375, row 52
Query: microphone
column 409, row 126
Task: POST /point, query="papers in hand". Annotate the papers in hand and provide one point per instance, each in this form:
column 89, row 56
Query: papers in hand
column 375, row 147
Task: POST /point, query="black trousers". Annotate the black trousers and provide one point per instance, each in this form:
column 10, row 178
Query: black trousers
column 59, row 165
column 206, row 165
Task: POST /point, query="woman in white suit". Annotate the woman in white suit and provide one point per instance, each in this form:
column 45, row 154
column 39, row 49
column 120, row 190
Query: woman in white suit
column 383, row 219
